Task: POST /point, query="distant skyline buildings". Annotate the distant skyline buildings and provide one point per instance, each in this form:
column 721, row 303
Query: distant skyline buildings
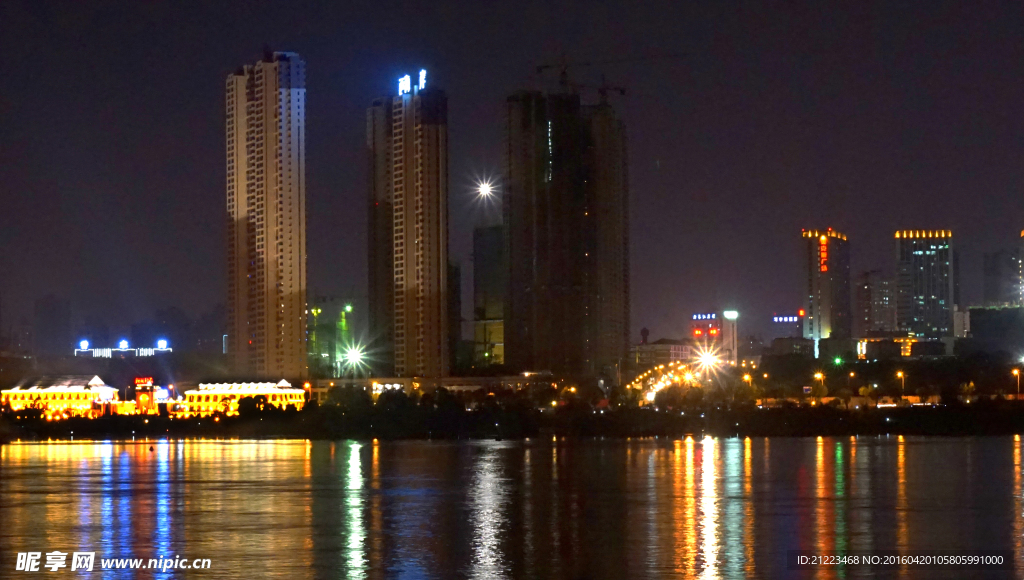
column 826, row 301
column 927, row 285
column 407, row 143
column 489, row 291
column 266, row 217
column 566, row 214
column 875, row 303
column 1001, row 277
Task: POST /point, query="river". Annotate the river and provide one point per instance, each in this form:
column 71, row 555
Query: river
column 541, row 508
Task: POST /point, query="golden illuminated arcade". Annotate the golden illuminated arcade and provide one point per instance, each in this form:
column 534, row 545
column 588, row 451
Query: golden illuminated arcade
column 63, row 397
column 223, row 397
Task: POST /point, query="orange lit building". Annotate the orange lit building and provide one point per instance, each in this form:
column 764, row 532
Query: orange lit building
column 826, row 257
column 64, row 396
column 223, row 397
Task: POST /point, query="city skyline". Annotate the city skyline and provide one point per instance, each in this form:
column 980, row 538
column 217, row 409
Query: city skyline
column 156, row 199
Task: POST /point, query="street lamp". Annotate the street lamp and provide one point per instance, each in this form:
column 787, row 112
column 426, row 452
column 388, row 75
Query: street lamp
column 903, row 383
column 1016, row 373
column 485, row 189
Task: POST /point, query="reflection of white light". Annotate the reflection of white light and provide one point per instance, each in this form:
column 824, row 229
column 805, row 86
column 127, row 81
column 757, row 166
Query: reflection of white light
column 84, row 345
column 404, row 85
column 423, row 79
column 123, row 345
column 161, row 344
column 708, row 545
column 354, row 502
column 488, row 496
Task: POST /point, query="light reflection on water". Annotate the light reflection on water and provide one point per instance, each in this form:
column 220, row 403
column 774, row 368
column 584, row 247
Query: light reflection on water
column 713, row 508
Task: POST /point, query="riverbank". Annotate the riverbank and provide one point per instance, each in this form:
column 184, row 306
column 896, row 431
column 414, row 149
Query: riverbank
column 1000, row 418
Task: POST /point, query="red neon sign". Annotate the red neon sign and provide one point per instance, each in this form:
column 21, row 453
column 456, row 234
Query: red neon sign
column 143, row 381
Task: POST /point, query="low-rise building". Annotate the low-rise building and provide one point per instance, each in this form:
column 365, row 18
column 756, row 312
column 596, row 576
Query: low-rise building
column 212, row 398
column 65, row 396
column 662, row 351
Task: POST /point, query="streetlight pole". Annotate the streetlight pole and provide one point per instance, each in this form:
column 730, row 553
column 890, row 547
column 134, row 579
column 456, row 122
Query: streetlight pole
column 903, row 383
column 1016, row 373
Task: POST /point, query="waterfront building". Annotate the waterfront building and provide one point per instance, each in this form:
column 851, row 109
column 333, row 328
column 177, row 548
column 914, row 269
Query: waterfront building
column 266, row 216
column 407, row 142
column 223, row 398
column 566, row 215
column 927, row 284
column 62, row 397
column 826, row 257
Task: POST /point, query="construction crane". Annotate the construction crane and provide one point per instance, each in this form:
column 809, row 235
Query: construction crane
column 565, row 65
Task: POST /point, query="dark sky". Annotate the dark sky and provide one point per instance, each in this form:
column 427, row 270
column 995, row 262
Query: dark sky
column 773, row 117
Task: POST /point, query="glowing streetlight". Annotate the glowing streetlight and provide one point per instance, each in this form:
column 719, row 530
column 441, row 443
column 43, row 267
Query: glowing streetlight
column 354, row 356
column 707, row 359
column 485, row 189
column 903, row 382
column 1016, row 373
column 747, row 378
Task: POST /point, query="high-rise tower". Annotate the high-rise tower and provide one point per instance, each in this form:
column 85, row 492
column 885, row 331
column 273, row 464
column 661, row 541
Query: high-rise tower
column 266, row 215
column 875, row 299
column 827, row 275
column 927, row 287
column 566, row 213
column 407, row 139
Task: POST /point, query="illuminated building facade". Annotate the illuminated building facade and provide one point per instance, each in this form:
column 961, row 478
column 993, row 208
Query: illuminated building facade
column 62, row 397
column 716, row 331
column 223, row 397
column 566, row 215
column 926, row 282
column 875, row 298
column 123, row 350
column 266, row 216
column 827, row 276
column 489, row 271
column 407, row 139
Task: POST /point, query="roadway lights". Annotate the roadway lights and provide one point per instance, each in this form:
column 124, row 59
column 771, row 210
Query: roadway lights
column 485, row 189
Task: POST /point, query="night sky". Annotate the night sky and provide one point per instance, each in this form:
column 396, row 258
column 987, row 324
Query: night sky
column 746, row 123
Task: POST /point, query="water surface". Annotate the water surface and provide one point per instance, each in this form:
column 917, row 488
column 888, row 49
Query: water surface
column 712, row 508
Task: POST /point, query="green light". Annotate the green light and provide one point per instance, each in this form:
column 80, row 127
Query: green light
column 348, row 308
column 838, row 361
